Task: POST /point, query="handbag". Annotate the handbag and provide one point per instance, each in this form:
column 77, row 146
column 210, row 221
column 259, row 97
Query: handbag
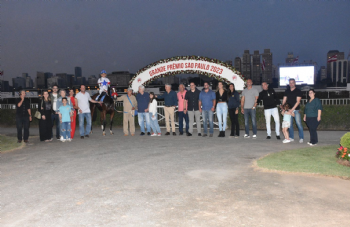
column 37, row 113
column 135, row 113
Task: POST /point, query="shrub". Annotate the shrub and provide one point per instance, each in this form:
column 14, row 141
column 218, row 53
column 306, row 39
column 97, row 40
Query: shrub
column 344, row 149
column 345, row 140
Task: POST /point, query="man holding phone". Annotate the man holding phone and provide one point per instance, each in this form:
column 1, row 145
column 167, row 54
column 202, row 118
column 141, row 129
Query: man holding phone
column 23, row 117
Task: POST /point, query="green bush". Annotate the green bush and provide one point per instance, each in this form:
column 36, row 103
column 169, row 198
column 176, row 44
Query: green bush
column 345, row 140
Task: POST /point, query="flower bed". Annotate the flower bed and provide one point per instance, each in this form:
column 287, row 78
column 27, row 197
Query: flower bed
column 343, row 153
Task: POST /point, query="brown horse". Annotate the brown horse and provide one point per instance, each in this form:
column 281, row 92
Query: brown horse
column 107, row 107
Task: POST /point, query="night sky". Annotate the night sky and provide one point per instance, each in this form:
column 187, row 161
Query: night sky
column 56, row 36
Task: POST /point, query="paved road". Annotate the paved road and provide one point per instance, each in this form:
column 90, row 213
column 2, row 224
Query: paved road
column 163, row 181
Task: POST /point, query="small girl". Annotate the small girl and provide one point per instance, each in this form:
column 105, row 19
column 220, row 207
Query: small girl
column 286, row 122
column 153, row 115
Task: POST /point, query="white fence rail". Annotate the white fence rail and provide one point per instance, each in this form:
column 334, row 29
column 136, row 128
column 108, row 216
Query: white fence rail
column 161, row 114
column 161, row 103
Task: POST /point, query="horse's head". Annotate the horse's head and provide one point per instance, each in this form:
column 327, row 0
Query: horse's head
column 114, row 92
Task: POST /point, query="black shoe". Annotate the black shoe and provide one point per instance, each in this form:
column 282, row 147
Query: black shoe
column 188, row 134
column 167, row 133
column 204, row 135
column 19, row 141
column 181, row 133
column 87, row 136
column 278, row 137
column 81, row 137
column 268, row 137
column 220, row 134
column 148, row 133
column 223, row 134
column 174, row 133
column 142, row 133
column 199, row 134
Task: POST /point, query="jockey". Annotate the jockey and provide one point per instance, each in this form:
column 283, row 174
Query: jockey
column 103, row 83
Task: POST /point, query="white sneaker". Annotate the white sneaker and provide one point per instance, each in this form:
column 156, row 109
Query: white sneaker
column 311, row 144
column 159, row 134
column 69, row 140
column 286, row 141
column 246, row 136
column 301, row 141
column 254, row 136
column 153, row 134
column 291, row 140
column 63, row 140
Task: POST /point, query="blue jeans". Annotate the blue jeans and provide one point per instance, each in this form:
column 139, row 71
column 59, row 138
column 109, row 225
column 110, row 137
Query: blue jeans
column 87, row 116
column 252, row 114
column 154, row 123
column 221, row 113
column 141, row 117
column 207, row 115
column 183, row 116
column 56, row 118
column 65, row 130
column 297, row 118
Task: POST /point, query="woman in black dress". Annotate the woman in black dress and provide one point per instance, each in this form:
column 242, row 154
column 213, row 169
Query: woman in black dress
column 45, row 124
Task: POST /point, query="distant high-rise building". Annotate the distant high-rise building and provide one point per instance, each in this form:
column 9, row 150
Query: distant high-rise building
column 92, row 80
column 339, row 72
column 322, row 73
column 256, row 68
column 5, row 86
column 29, row 82
column 331, row 53
column 19, row 83
column 54, row 80
column 78, row 72
column 290, row 58
column 40, row 80
column 120, row 78
column 47, row 76
column 64, row 78
column 267, row 73
column 25, row 75
column 238, row 64
column 246, row 65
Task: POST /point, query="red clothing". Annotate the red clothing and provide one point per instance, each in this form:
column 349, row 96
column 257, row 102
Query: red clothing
column 180, row 98
column 73, row 119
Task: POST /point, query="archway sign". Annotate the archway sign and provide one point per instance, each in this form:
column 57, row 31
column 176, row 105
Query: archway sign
column 188, row 65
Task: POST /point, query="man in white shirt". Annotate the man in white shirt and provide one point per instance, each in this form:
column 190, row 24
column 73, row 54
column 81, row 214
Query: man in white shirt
column 84, row 112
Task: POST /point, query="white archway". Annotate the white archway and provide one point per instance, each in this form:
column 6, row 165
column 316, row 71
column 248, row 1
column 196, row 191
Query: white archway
column 188, row 65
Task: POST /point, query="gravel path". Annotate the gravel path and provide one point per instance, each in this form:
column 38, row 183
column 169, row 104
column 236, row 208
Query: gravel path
column 163, row 181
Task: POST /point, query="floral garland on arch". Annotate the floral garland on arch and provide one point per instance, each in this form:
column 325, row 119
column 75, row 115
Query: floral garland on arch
column 173, row 73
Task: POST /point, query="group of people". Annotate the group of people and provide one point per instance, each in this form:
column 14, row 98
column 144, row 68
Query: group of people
column 56, row 108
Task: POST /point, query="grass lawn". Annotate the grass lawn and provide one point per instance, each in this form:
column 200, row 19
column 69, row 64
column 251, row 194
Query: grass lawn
column 319, row 160
column 8, row 143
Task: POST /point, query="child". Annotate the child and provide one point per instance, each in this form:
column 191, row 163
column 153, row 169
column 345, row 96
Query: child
column 103, row 83
column 65, row 112
column 286, row 122
column 153, row 115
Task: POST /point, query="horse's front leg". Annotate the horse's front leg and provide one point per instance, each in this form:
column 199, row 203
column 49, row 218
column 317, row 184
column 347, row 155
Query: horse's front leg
column 103, row 122
column 111, row 120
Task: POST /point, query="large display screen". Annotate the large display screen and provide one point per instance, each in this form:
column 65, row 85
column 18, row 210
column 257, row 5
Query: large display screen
column 301, row 74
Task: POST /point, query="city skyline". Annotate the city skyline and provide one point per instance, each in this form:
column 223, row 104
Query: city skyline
column 119, row 36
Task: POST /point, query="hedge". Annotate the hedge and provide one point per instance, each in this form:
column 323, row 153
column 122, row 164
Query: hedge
column 336, row 117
